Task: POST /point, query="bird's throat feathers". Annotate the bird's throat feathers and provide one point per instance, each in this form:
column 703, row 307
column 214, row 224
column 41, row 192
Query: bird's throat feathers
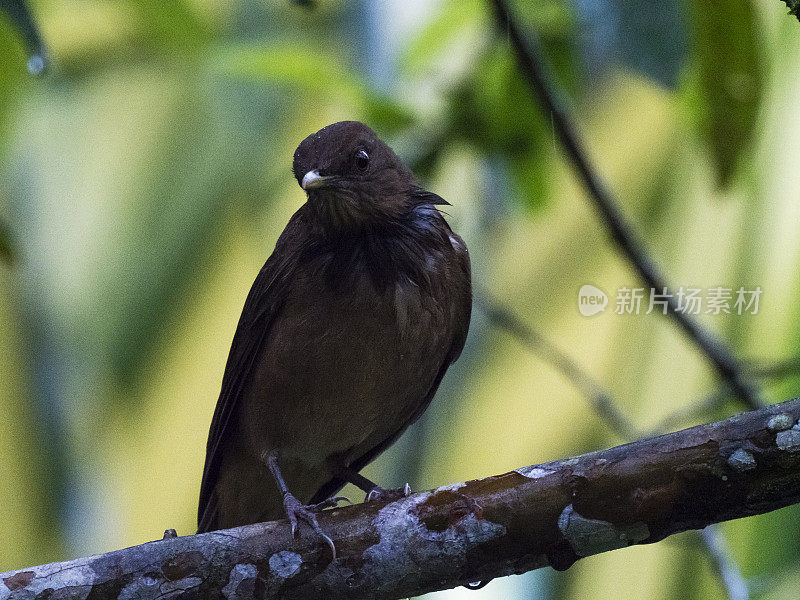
column 335, row 214
column 402, row 249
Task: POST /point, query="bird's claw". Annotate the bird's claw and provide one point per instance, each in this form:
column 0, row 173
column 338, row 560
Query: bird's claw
column 296, row 510
column 329, row 503
column 377, row 494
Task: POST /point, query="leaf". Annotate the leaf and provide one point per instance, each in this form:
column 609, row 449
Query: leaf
column 13, row 81
column 488, row 102
column 173, row 24
column 150, row 180
column 455, row 19
column 385, row 115
column 794, row 7
column 648, row 37
column 316, row 73
column 653, row 39
column 295, row 66
column 730, row 79
column 6, row 247
column 22, row 19
column 493, row 110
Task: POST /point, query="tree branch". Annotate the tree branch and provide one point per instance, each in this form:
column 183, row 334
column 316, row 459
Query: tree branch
column 549, row 514
column 713, row 544
column 787, row 367
column 531, row 62
column 711, row 541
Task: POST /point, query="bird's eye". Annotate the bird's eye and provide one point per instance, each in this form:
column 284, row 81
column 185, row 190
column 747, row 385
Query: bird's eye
column 362, row 159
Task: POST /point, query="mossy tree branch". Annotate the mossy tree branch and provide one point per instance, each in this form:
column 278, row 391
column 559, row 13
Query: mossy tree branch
column 549, row 514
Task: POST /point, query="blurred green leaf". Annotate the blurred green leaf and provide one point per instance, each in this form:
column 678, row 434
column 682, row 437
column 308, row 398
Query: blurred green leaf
column 385, row 115
column 6, row 248
column 730, row 79
column 12, row 78
column 653, row 40
column 452, row 21
column 22, row 19
column 648, row 37
column 489, row 104
column 531, row 177
column 162, row 171
column 316, row 73
column 294, row 65
column 174, row 24
column 493, row 110
column 553, row 22
column 794, row 7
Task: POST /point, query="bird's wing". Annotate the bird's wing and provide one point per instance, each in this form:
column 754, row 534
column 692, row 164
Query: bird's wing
column 263, row 303
column 461, row 318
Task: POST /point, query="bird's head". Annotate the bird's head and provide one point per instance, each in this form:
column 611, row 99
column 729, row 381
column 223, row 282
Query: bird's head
column 354, row 181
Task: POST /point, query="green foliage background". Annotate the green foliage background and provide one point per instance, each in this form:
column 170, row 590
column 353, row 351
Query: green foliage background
column 145, row 178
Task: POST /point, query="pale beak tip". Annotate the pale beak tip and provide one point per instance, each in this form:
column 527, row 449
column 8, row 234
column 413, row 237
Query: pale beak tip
column 312, row 180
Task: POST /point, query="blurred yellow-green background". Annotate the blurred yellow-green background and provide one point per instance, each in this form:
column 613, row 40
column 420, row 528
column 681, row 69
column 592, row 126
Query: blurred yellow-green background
column 145, row 176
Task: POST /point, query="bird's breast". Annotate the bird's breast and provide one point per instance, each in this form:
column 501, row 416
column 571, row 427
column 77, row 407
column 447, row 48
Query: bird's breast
column 346, row 365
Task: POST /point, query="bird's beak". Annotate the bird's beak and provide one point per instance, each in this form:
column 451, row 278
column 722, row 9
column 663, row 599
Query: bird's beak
column 313, row 180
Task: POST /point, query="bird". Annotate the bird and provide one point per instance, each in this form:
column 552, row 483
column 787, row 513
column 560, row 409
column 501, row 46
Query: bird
column 343, row 340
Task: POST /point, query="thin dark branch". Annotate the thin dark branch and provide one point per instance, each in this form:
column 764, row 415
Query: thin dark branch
column 549, row 514
column 787, row 367
column 700, row 411
column 531, row 62
column 22, row 19
column 602, row 402
column 696, row 411
column 604, row 405
column 715, row 547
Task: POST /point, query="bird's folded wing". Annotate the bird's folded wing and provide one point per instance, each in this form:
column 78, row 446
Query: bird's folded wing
column 263, row 303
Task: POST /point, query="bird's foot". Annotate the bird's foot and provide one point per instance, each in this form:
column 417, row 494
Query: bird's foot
column 295, row 510
column 378, row 494
column 329, row 503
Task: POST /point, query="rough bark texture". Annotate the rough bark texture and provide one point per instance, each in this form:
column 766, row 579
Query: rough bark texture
column 549, row 514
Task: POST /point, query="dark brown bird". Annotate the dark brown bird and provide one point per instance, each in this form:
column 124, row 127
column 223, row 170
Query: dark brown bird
column 344, row 337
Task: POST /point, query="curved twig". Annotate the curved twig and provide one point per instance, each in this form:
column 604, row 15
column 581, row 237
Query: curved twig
column 530, row 60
